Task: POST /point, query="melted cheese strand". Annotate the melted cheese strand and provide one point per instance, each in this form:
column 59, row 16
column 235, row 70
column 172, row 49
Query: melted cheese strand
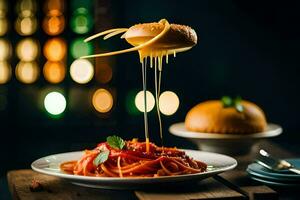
column 136, row 48
column 159, row 82
column 157, row 100
column 144, row 75
column 104, row 33
column 151, row 58
column 167, row 57
column 113, row 34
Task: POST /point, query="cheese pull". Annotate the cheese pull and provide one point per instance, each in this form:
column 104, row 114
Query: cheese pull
column 154, row 41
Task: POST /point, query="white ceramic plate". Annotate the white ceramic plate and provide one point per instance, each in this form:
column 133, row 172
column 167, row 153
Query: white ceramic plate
column 180, row 130
column 50, row 165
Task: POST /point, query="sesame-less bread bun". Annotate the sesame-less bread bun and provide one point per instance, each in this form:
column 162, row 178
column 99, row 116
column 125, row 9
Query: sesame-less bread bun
column 178, row 36
column 213, row 117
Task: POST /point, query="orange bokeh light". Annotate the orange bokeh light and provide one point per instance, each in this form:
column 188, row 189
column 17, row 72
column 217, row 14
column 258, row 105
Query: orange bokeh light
column 54, row 24
column 55, row 49
column 51, row 5
column 54, row 72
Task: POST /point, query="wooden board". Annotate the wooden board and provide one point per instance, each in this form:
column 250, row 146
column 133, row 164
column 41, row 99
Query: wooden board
column 19, row 182
column 58, row 189
column 206, row 189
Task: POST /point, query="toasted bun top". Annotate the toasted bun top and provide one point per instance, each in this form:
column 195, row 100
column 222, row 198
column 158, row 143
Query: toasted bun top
column 212, row 117
column 178, row 36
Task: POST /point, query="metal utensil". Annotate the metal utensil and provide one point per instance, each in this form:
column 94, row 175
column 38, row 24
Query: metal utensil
column 269, row 162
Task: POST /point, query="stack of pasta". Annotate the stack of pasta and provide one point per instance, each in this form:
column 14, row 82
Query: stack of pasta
column 118, row 158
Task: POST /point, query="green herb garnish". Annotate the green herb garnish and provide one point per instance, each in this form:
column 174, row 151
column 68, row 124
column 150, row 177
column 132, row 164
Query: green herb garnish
column 115, row 142
column 233, row 102
column 101, row 157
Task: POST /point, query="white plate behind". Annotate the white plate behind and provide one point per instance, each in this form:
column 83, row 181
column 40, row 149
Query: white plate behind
column 180, row 130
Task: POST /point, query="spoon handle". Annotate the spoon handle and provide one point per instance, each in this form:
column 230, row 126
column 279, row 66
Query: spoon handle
column 297, row 171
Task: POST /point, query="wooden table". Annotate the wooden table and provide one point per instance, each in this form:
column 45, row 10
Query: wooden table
column 212, row 188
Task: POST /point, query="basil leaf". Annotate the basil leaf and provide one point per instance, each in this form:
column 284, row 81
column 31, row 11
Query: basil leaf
column 230, row 102
column 101, row 158
column 115, row 142
column 227, row 101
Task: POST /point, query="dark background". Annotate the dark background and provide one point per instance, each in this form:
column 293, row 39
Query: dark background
column 247, row 48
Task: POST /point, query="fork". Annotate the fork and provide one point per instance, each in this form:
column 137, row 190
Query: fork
column 275, row 164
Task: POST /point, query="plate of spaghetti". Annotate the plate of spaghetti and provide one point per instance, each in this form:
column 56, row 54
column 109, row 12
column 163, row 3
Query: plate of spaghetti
column 119, row 164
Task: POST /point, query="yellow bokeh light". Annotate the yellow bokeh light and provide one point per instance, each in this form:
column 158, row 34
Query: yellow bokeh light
column 139, row 101
column 26, row 8
column 102, row 100
column 5, row 72
column 54, row 72
column 27, row 72
column 27, row 49
column 3, row 25
column 55, row 49
column 168, row 103
column 3, row 8
column 5, row 50
column 54, row 24
column 82, row 71
column 26, row 25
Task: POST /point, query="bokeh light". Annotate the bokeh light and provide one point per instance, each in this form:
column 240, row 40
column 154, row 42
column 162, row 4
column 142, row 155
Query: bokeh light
column 103, row 73
column 54, row 72
column 5, row 49
column 82, row 71
column 26, row 25
column 88, row 4
column 139, row 101
column 3, row 25
column 130, row 103
column 27, row 49
column 80, row 48
column 26, row 8
column 3, row 8
column 102, row 100
column 54, row 24
column 54, row 5
column 168, row 103
column 55, row 49
column 81, row 21
column 55, row 103
column 27, row 72
column 5, row 72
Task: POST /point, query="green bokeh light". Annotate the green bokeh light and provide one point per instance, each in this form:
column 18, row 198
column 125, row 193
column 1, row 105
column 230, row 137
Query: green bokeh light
column 130, row 104
column 80, row 48
column 81, row 21
column 55, row 103
column 88, row 4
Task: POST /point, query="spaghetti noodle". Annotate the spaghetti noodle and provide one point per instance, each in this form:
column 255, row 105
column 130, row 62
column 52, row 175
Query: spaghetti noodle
column 134, row 161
